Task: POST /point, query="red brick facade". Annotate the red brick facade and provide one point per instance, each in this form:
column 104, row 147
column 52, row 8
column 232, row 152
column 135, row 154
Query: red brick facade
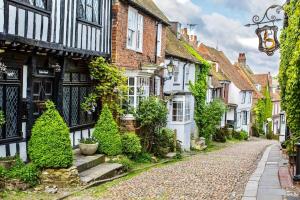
column 129, row 59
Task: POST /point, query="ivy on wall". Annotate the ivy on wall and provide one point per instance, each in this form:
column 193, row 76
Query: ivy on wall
column 263, row 111
column 289, row 75
column 199, row 89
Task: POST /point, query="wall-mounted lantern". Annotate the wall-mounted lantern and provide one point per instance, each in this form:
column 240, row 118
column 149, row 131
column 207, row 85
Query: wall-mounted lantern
column 170, row 69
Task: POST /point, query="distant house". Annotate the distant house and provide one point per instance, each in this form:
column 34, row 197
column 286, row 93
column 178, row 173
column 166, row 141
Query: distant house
column 181, row 102
column 240, row 90
column 139, row 42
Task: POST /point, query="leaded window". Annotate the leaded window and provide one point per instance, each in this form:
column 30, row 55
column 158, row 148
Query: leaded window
column 89, row 10
column 9, row 103
column 75, row 88
column 38, row 3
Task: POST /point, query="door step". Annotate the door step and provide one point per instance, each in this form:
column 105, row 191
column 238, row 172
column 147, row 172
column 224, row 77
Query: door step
column 101, row 172
column 83, row 163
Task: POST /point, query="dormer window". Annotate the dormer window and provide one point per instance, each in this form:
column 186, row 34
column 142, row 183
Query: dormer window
column 89, row 10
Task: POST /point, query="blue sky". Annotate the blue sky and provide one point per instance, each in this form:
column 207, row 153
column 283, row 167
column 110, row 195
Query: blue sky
column 221, row 23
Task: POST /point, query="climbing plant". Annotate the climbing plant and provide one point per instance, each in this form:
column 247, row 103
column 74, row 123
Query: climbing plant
column 199, row 88
column 110, row 86
column 289, row 75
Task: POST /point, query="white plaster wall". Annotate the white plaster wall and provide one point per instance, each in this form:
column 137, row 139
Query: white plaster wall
column 233, row 94
column 1, row 15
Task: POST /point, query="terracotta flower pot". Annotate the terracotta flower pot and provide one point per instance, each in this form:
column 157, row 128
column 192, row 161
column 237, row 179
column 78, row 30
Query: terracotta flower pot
column 88, row 149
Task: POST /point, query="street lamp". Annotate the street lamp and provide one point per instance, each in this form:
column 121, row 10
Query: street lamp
column 170, row 69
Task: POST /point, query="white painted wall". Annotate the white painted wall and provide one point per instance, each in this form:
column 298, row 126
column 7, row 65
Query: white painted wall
column 1, row 15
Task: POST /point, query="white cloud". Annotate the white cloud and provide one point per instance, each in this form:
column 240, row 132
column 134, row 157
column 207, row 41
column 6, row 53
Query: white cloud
column 229, row 34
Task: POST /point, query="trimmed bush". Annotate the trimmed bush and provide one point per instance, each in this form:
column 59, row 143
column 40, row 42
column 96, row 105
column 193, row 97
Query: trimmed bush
column 107, row 134
column 50, row 145
column 255, row 131
column 131, row 144
column 126, row 162
column 143, row 158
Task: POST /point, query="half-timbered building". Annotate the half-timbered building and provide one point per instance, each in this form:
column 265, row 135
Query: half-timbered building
column 45, row 46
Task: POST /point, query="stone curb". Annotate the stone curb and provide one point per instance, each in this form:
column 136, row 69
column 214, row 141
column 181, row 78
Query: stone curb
column 252, row 185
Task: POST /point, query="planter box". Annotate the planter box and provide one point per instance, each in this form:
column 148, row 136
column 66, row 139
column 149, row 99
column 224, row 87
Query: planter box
column 88, row 149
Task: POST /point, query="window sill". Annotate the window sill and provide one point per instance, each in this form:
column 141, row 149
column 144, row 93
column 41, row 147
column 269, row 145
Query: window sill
column 176, row 84
column 88, row 22
column 135, row 50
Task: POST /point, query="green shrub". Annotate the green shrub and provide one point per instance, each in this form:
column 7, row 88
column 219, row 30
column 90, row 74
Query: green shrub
column 50, row 145
column 126, row 162
column 143, row 157
column 269, row 136
column 244, row 135
column 27, row 173
column 220, row 136
column 164, row 142
column 275, row 137
column 107, row 134
column 88, row 141
column 3, row 172
column 131, row 144
column 255, row 131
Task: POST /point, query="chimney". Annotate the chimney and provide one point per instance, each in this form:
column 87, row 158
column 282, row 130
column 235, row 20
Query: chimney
column 242, row 59
column 184, row 33
column 194, row 41
column 176, row 28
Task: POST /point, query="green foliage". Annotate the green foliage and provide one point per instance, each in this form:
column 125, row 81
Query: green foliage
column 151, row 117
column 164, row 142
column 199, row 89
column 50, row 145
column 126, row 162
column 244, row 135
column 131, row 144
column 88, row 141
column 263, row 111
column 220, row 136
column 2, row 118
column 107, row 133
column 143, row 157
column 111, row 84
column 255, row 131
column 289, row 74
column 211, row 118
column 2, row 172
column 27, row 173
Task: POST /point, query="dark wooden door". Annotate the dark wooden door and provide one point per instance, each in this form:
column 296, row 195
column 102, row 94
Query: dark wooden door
column 42, row 90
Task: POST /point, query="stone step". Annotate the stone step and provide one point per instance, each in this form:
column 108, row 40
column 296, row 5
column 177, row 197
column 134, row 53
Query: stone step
column 83, row 163
column 101, row 172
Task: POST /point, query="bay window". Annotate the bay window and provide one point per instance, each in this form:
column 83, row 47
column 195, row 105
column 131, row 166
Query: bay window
column 138, row 89
column 135, row 30
column 181, row 109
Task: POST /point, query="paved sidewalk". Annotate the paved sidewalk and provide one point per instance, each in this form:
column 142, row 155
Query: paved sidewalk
column 264, row 183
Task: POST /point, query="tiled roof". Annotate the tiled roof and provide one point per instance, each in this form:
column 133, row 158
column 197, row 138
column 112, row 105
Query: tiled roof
column 263, row 79
column 175, row 48
column 150, row 7
column 234, row 73
column 275, row 96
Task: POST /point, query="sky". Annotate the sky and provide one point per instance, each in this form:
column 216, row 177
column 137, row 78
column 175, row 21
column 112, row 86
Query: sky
column 220, row 23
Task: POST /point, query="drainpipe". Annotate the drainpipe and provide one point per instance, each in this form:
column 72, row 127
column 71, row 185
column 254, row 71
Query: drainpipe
column 156, row 37
column 183, row 81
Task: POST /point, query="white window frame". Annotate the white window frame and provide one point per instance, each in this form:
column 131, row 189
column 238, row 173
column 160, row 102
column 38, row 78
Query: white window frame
column 178, row 113
column 250, row 98
column 245, row 118
column 135, row 30
column 159, row 40
column 140, row 88
column 187, row 109
column 187, row 74
column 243, row 97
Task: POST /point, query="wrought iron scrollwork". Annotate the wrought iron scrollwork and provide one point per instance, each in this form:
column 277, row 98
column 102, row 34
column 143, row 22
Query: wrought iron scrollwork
column 268, row 17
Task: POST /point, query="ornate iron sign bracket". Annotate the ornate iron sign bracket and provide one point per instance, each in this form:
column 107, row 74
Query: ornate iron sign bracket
column 267, row 35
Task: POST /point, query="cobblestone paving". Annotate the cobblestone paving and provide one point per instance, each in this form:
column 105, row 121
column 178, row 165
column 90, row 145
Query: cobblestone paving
column 213, row 176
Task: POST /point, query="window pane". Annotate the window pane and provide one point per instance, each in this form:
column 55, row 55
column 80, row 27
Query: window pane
column 81, row 9
column 96, row 11
column 40, row 3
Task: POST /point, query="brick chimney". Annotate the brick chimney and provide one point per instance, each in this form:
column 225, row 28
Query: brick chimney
column 194, row 41
column 184, row 33
column 176, row 28
column 242, row 59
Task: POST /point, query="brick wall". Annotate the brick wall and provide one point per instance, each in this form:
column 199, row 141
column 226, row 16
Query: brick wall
column 123, row 57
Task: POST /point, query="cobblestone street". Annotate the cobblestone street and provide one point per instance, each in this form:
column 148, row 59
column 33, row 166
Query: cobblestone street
column 217, row 175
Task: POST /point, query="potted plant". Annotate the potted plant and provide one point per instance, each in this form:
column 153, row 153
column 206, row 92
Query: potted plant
column 88, row 146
